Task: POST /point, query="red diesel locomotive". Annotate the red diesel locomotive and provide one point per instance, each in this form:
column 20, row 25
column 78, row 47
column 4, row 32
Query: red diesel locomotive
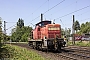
column 46, row 36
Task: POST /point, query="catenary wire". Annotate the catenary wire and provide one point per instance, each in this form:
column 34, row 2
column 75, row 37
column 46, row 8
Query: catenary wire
column 73, row 12
column 49, row 9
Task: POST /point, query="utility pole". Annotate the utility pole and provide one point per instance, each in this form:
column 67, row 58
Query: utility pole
column 73, row 30
column 4, row 31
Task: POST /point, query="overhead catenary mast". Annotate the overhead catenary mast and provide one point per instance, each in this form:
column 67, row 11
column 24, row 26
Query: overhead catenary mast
column 4, row 31
column 73, row 31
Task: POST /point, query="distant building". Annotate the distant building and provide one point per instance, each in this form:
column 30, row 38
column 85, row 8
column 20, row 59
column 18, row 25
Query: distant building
column 88, row 35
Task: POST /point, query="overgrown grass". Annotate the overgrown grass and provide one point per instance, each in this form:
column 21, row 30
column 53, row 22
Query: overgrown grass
column 79, row 43
column 69, row 43
column 4, row 52
column 82, row 44
column 20, row 53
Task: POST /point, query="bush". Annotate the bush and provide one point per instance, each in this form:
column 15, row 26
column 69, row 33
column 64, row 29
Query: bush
column 20, row 53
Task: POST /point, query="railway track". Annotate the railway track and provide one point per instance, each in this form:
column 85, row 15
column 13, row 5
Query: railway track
column 74, row 56
column 84, row 51
column 78, row 53
column 69, row 53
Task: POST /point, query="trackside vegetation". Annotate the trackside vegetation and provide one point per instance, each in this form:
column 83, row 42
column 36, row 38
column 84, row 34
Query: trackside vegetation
column 83, row 44
column 79, row 43
column 13, row 52
column 20, row 33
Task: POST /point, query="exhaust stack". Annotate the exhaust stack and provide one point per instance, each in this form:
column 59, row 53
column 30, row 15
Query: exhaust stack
column 41, row 17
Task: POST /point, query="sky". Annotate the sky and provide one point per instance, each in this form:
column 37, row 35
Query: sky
column 29, row 10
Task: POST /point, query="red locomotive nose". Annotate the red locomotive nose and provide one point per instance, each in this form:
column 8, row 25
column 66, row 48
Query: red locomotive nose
column 54, row 30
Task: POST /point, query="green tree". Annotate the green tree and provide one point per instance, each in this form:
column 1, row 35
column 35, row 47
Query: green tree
column 77, row 26
column 20, row 23
column 69, row 32
column 62, row 32
column 66, row 32
column 0, row 31
column 21, row 34
column 85, row 28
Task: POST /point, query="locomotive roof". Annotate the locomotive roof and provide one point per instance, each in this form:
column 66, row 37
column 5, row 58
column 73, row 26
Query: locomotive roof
column 43, row 22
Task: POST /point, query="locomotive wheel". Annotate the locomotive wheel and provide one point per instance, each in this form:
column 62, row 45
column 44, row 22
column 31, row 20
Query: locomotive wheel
column 33, row 47
column 59, row 49
column 40, row 47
